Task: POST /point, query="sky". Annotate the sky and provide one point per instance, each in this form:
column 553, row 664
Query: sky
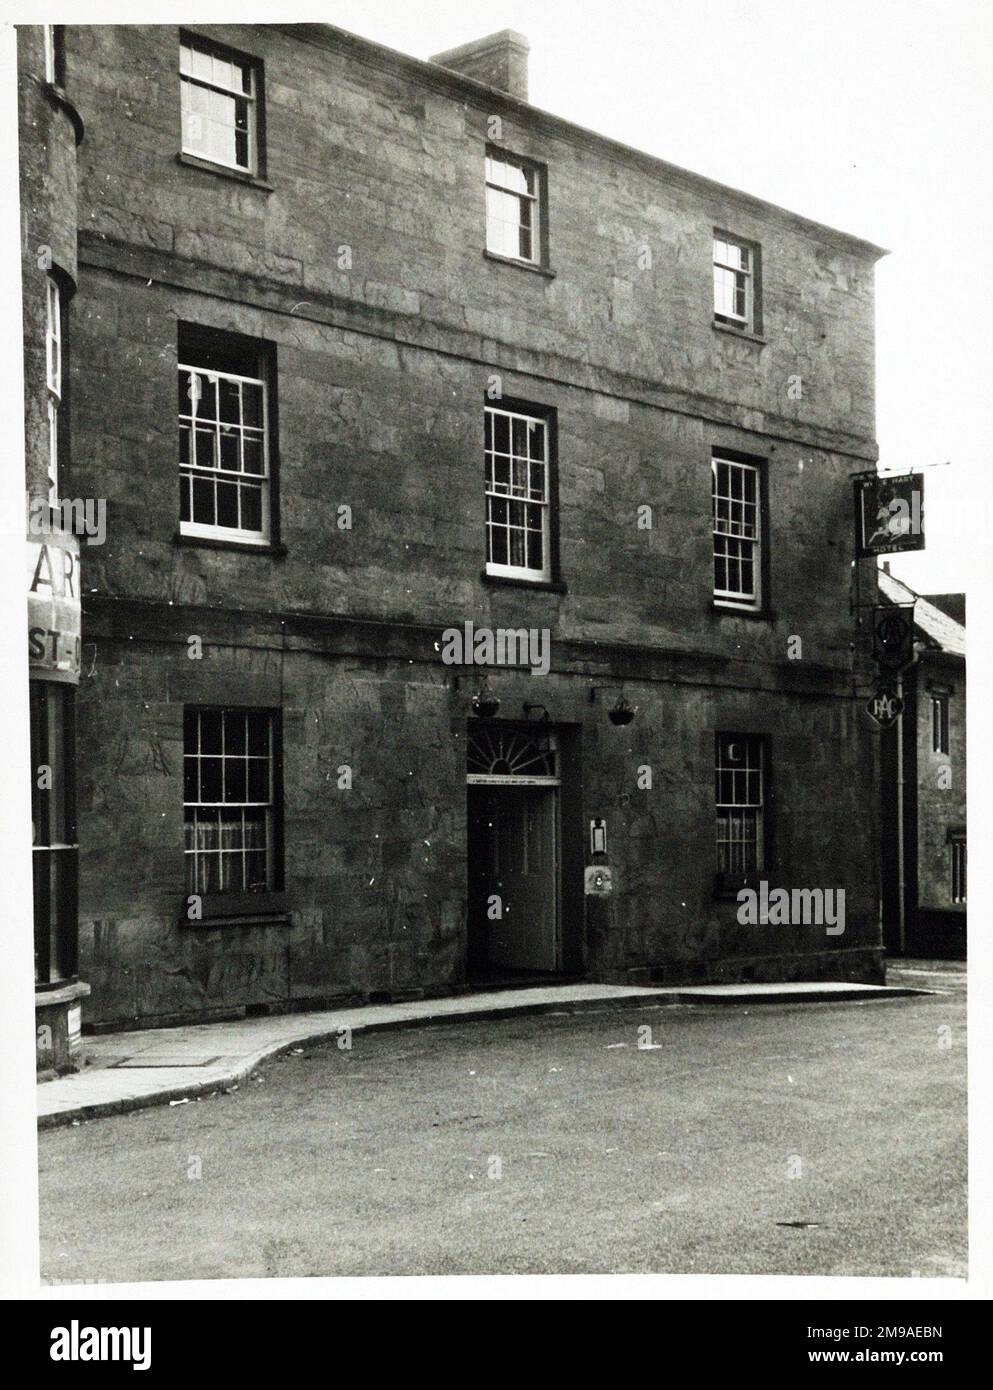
column 872, row 116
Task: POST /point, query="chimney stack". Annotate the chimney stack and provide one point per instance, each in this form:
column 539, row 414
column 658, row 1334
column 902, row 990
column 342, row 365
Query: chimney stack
column 501, row 61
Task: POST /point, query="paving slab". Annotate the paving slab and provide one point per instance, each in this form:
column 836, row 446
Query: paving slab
column 157, row 1066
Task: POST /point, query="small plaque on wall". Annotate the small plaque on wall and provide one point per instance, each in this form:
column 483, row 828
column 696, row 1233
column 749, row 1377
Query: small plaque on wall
column 599, row 882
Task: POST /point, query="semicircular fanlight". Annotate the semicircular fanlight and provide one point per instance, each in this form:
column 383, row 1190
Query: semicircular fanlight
column 508, row 753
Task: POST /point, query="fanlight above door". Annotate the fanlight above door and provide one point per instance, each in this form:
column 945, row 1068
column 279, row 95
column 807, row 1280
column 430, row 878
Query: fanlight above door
column 510, row 755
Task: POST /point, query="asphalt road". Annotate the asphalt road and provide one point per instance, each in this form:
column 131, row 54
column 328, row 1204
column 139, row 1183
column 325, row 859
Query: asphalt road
column 814, row 1139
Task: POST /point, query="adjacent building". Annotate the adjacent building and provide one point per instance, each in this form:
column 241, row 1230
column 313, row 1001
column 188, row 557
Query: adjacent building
column 51, row 132
column 923, row 783
column 475, row 598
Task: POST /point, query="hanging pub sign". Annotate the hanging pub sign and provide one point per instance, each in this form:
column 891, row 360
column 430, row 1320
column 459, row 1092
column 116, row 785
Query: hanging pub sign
column 889, row 513
column 54, row 608
column 893, row 636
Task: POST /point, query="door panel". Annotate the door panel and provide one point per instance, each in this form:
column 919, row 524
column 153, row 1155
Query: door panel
column 514, row 854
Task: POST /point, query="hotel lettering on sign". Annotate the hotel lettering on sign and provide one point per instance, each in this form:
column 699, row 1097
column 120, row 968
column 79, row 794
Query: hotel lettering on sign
column 54, row 645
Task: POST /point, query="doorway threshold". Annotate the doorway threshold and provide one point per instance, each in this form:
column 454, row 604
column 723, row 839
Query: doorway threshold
column 520, row 979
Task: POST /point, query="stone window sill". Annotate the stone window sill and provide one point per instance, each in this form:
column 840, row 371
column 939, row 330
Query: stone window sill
column 728, row 886
column 548, row 586
column 521, row 265
column 728, row 610
column 191, row 161
column 745, row 333
column 244, row 547
column 239, row 909
column 258, row 919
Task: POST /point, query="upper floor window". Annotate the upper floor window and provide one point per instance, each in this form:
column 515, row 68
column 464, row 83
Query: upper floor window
column 736, row 490
column 220, row 101
column 513, row 208
column 224, row 444
column 518, row 492
column 53, row 374
column 740, row 797
column 939, row 721
column 735, row 283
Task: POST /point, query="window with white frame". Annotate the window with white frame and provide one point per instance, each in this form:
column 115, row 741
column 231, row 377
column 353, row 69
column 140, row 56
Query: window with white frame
column 229, row 800
column 53, row 375
column 224, row 474
column 734, row 282
column 736, row 491
column 958, row 852
column 740, row 796
column 513, row 209
column 518, row 521
column 219, row 100
column 939, row 721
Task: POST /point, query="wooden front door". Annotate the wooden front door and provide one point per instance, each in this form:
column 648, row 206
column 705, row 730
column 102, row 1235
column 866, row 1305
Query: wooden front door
column 513, row 878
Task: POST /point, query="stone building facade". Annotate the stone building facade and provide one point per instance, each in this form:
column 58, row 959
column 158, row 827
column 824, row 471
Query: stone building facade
column 444, row 358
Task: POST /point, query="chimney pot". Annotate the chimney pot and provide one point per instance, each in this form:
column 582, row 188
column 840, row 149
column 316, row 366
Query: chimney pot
column 499, row 60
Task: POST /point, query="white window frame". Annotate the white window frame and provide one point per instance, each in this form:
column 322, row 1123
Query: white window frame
column 53, row 381
column 734, row 532
column 187, row 80
column 725, row 264
column 742, row 810
column 195, row 852
column 959, row 888
column 531, row 199
column 215, row 531
column 940, row 722
column 496, row 491
column 53, row 337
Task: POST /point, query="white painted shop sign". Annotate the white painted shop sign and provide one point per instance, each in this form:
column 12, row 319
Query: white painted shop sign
column 54, row 609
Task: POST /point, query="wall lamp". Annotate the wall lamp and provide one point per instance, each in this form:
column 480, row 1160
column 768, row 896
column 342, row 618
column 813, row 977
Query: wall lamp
column 538, row 714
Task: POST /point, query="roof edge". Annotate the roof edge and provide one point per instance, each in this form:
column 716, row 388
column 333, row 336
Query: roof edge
column 446, row 81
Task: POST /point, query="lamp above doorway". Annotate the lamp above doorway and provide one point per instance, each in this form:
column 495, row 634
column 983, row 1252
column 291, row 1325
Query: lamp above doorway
column 538, row 714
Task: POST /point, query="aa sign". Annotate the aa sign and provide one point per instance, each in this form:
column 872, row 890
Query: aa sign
column 889, row 513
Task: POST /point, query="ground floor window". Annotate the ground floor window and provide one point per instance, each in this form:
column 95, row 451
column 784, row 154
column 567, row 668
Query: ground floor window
column 740, row 795
column 229, row 779
column 958, row 869
column 54, row 850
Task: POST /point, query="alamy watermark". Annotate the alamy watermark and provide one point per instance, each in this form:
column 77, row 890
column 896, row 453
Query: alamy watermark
column 793, row 907
column 79, row 516
column 502, row 646
column 76, row 1343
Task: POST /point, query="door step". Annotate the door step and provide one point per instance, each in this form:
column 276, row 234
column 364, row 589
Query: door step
column 487, row 983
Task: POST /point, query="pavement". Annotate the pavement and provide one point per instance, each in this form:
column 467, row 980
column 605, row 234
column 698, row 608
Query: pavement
column 772, row 1138
column 132, row 1070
